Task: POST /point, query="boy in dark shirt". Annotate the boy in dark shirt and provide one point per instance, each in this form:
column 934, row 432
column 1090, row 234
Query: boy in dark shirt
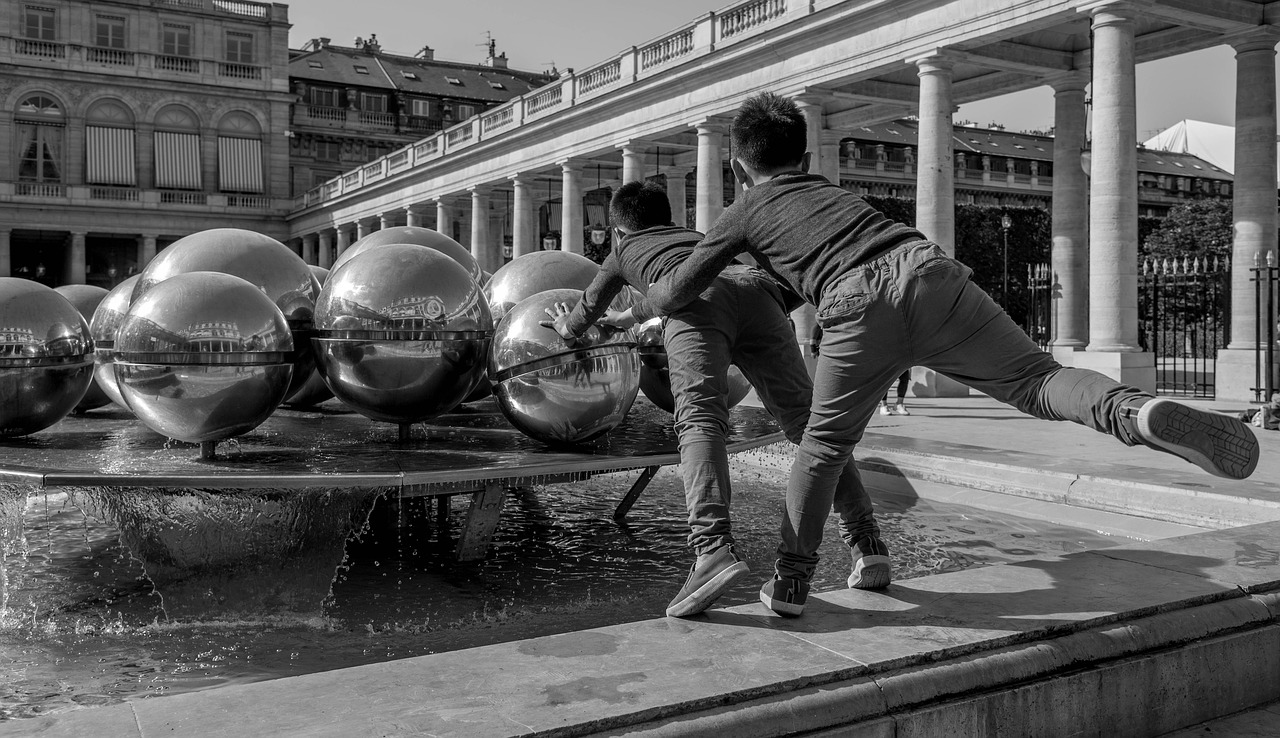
column 739, row 319
column 888, row 299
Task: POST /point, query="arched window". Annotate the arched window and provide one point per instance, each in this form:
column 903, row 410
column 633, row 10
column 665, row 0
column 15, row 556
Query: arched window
column 109, row 145
column 239, row 153
column 177, row 149
column 41, row 133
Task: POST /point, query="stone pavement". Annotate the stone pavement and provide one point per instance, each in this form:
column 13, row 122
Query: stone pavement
column 1139, row 639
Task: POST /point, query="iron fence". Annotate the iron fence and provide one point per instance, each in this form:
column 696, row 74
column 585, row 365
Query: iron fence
column 1266, row 292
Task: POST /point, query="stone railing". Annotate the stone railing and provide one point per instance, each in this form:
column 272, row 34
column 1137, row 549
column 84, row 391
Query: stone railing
column 239, row 71
column 44, row 49
column 119, row 194
column 178, row 64
column 696, row 39
column 118, row 57
column 398, row 160
column 237, row 7
column 183, row 197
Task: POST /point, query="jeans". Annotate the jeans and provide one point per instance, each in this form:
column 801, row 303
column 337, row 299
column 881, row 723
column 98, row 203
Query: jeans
column 740, row 319
column 915, row 306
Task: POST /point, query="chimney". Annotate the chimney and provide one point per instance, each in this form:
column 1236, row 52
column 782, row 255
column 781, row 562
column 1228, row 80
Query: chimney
column 372, row 46
column 427, row 53
column 498, row 62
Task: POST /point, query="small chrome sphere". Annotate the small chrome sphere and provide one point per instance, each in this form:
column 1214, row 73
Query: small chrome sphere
column 103, row 325
column 402, row 332
column 536, row 272
column 86, row 298
column 415, row 235
column 46, row 356
column 554, row 392
column 314, row 391
column 203, row 356
column 655, row 371
column 261, row 260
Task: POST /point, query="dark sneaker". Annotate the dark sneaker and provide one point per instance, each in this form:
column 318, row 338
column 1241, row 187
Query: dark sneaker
column 871, row 566
column 707, row 582
column 785, row 596
column 1219, row 444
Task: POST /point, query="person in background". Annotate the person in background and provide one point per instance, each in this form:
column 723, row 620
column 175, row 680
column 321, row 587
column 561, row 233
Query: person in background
column 900, row 407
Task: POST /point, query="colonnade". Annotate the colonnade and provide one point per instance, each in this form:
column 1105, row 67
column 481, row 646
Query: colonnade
column 1094, row 224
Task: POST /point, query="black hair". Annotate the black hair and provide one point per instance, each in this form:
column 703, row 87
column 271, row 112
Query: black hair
column 769, row 133
column 640, row 205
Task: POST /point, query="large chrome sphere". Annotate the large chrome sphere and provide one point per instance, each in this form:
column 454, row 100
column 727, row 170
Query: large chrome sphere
column 103, row 325
column 415, row 235
column 46, row 356
column 203, row 356
column 261, row 260
column 536, row 272
column 402, row 332
column 86, row 298
column 314, row 391
column 655, row 371
column 558, row 393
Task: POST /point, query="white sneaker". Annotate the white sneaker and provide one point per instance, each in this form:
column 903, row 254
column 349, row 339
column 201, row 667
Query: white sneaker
column 900, row 409
column 884, row 410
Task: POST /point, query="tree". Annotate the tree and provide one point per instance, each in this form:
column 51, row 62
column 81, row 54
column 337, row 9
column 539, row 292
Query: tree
column 1194, row 228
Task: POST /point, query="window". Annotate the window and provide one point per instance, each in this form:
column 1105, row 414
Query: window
column 325, row 97
column 239, row 48
column 109, row 32
column 409, row 75
column 315, row 64
column 371, row 103
column 496, row 85
column 421, row 107
column 453, row 81
column 465, row 111
column 39, row 23
column 361, row 69
column 40, row 140
column 328, row 151
column 175, row 40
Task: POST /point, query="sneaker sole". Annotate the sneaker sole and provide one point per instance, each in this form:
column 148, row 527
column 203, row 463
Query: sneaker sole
column 871, row 572
column 785, row 609
column 1219, row 444
column 702, row 597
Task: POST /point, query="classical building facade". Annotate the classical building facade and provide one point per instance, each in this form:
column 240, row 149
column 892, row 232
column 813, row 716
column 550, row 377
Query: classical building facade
column 126, row 124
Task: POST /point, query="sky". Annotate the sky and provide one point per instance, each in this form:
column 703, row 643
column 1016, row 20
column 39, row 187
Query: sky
column 581, row 33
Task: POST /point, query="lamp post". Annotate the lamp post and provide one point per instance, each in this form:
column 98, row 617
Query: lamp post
column 1005, row 224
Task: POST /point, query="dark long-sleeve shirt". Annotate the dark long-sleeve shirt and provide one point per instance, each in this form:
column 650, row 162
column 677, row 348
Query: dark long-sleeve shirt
column 638, row 259
column 805, row 231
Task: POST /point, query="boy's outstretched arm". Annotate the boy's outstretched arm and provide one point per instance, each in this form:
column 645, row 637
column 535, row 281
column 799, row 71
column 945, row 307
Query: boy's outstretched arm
column 715, row 252
column 595, row 301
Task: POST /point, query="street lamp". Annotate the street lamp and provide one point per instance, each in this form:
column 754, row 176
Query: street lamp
column 1005, row 224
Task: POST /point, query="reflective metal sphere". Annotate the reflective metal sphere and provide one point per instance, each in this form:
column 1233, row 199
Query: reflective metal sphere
column 402, row 332
column 85, row 298
column 536, row 272
column 263, row 261
column 203, row 356
column 556, row 393
column 415, row 235
column 104, row 324
column 314, row 391
column 655, row 372
column 46, row 356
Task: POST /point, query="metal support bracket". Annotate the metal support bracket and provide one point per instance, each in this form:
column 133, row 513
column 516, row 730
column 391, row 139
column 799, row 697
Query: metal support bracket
column 633, row 494
column 482, row 520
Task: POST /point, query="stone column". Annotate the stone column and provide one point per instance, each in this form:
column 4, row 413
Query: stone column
column 1070, row 226
column 76, row 259
column 935, row 189
column 6, row 255
column 444, row 217
column 344, row 238
column 632, row 163
column 144, row 154
column 412, row 217
column 1254, row 206
column 146, row 250
column 363, row 228
column 935, row 179
column 571, row 207
column 1113, row 206
column 386, row 220
column 524, row 237
column 676, row 194
column 710, row 202
column 324, row 257
column 481, row 246
column 309, row 247
column 829, row 159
